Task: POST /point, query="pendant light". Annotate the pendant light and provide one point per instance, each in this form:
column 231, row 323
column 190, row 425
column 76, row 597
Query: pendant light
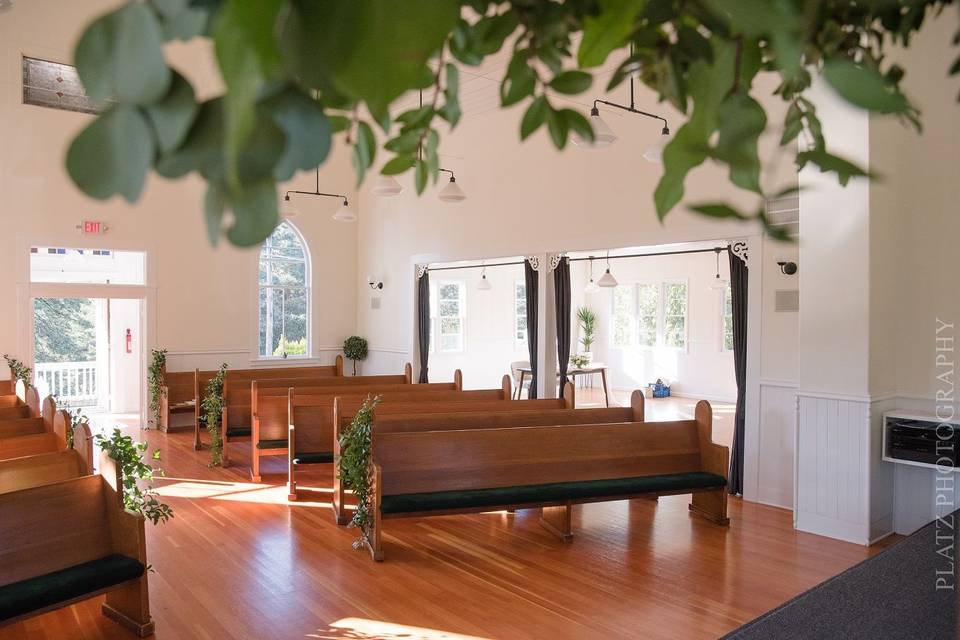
column 718, row 283
column 591, row 286
column 387, row 186
column 607, row 281
column 654, row 153
column 603, row 135
column 345, row 213
column 452, row 191
column 484, row 284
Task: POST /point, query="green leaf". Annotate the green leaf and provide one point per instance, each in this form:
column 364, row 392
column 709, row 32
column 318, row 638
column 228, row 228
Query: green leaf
column 571, row 82
column 255, row 213
column 792, row 124
column 202, row 150
column 863, row 86
column 718, row 210
column 693, row 45
column 307, row 130
column 364, row 150
column 534, row 117
column 451, row 109
column 405, row 142
column 339, row 123
column 181, row 19
column 491, row 31
column 398, row 165
column 741, row 120
column 520, row 80
column 607, row 31
column 172, row 116
column 831, row 163
column 346, row 45
column 113, row 154
column 420, row 176
column 433, row 154
column 578, row 123
column 120, row 56
column 558, row 127
column 213, row 205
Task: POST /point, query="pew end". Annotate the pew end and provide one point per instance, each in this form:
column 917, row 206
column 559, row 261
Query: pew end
column 715, row 458
column 637, row 404
column 569, row 395
column 48, row 412
column 33, row 401
column 458, row 380
column 408, row 372
column 558, row 520
column 507, row 385
column 292, row 446
column 338, row 366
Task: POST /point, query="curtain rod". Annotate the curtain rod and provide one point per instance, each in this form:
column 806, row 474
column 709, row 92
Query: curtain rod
column 632, row 255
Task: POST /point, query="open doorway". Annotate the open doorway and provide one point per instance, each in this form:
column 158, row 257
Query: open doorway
column 86, row 353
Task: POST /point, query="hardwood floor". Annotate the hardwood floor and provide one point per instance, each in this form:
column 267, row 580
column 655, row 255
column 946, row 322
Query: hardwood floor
column 237, row 561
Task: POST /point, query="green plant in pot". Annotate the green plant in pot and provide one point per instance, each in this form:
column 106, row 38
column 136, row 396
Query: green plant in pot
column 587, row 321
column 18, row 370
column 155, row 381
column 355, row 348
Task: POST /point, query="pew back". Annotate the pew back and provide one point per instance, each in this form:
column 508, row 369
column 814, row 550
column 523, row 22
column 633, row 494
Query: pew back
column 417, row 462
column 32, row 471
column 21, row 427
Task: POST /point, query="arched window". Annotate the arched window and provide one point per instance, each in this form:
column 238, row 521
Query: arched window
column 284, row 294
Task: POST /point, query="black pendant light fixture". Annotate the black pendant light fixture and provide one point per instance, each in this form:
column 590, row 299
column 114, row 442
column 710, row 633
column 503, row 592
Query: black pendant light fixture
column 344, row 214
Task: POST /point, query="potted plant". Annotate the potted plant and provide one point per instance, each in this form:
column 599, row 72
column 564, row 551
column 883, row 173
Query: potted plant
column 587, row 321
column 355, row 348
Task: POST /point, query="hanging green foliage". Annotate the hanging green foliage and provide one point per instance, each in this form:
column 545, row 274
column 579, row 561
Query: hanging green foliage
column 155, row 381
column 353, row 465
column 297, row 72
column 138, row 494
column 212, row 406
column 19, row 370
column 77, row 419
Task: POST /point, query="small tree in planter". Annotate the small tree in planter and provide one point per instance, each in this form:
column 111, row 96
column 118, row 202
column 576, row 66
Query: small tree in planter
column 587, row 320
column 355, row 348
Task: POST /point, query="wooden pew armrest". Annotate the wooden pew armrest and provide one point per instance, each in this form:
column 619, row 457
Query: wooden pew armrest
column 715, row 458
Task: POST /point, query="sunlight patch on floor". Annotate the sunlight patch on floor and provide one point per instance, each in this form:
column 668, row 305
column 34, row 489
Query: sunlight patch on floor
column 363, row 629
column 231, row 491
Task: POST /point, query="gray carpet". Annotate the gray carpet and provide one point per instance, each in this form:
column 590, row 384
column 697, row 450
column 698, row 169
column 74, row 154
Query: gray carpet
column 891, row 595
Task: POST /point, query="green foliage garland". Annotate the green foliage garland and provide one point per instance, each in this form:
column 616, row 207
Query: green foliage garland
column 293, row 80
column 353, row 465
column 20, row 371
column 155, row 382
column 212, row 406
column 76, row 419
column 355, row 348
column 129, row 457
column 587, row 320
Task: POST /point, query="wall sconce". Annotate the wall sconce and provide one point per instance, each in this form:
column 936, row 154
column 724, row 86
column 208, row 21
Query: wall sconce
column 787, row 268
column 375, row 284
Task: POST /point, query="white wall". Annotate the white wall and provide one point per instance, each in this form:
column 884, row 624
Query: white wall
column 702, row 370
column 125, row 368
column 204, row 308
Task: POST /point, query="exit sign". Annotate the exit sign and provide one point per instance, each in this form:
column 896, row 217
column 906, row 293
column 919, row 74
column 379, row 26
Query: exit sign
column 95, row 227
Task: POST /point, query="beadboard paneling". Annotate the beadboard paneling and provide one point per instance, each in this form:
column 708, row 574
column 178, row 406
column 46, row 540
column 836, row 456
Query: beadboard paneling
column 778, row 420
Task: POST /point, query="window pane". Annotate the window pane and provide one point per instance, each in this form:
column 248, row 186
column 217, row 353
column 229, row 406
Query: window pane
column 450, row 290
column 87, row 266
column 623, row 316
column 284, row 308
column 521, row 323
column 451, row 343
column 449, row 325
column 647, row 299
column 728, row 319
column 271, row 320
column 285, row 272
column 449, row 308
column 674, row 334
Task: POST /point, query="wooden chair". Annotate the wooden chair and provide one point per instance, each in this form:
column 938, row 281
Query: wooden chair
column 45, row 565
column 271, row 417
column 427, row 473
column 45, row 468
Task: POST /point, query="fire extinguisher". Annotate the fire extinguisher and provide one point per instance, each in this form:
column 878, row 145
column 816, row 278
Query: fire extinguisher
column 129, row 342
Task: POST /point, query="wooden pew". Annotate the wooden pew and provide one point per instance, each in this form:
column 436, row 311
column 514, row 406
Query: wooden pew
column 426, row 473
column 181, row 393
column 26, row 405
column 45, row 468
column 43, row 421
column 54, row 439
column 45, row 565
column 271, row 416
column 238, row 406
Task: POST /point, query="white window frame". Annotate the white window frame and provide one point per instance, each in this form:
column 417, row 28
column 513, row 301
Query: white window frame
column 723, row 319
column 462, row 295
column 660, row 342
column 307, row 287
column 662, row 329
column 613, row 312
column 518, row 344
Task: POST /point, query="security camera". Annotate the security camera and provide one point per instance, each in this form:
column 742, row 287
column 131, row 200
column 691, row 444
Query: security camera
column 787, row 268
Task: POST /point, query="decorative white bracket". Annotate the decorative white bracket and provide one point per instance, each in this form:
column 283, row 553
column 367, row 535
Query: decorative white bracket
column 422, row 269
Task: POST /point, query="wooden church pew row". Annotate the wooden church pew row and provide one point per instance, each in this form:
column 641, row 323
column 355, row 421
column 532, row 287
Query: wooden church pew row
column 45, row 566
column 427, row 473
column 271, row 417
column 181, row 393
column 48, row 441
column 26, row 406
column 45, row 468
column 236, row 423
column 41, row 422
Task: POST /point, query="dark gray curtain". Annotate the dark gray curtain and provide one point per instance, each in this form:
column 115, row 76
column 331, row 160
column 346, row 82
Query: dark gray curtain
column 561, row 290
column 423, row 323
column 532, row 288
column 738, row 289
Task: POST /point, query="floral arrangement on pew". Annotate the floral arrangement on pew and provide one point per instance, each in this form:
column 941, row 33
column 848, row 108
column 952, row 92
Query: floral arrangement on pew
column 76, row 419
column 129, row 457
column 19, row 370
column 155, row 381
column 353, row 465
column 212, row 406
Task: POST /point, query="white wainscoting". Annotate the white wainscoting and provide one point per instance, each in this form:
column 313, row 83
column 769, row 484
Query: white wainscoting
column 777, row 436
column 843, row 488
column 385, row 361
column 210, row 360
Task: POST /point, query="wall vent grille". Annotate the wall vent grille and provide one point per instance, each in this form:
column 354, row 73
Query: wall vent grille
column 787, row 300
column 785, row 212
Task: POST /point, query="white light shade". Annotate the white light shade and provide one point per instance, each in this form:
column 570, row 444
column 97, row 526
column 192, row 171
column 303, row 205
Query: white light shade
column 591, row 287
column 484, row 284
column 654, row 153
column 452, row 192
column 607, row 280
column 387, row 186
column 718, row 284
column 345, row 213
column 603, row 135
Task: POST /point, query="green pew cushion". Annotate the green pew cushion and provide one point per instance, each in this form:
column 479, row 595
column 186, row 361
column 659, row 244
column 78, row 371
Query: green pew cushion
column 556, row 491
column 33, row 594
column 313, row 457
column 271, row 444
column 237, row 432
